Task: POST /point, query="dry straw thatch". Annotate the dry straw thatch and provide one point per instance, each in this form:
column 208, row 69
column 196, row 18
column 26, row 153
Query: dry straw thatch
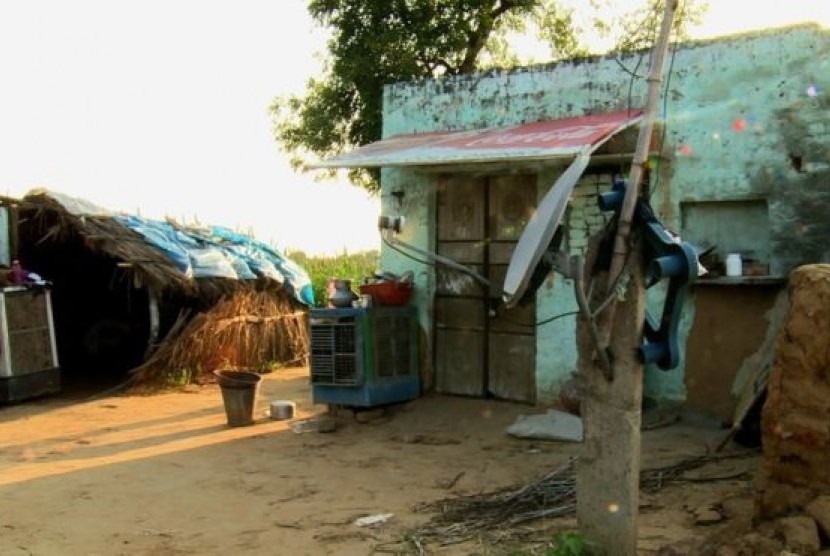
column 251, row 329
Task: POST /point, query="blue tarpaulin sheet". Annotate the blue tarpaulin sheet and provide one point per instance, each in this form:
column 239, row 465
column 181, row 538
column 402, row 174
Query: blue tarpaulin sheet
column 217, row 252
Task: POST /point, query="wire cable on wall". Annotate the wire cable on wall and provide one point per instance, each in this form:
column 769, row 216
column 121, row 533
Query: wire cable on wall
column 404, row 253
column 433, row 259
column 556, row 317
column 397, row 246
column 539, row 323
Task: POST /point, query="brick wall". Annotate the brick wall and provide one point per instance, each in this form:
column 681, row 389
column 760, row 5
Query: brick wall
column 584, row 217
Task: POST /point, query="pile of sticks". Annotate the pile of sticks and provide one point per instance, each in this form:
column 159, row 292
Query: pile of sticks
column 553, row 494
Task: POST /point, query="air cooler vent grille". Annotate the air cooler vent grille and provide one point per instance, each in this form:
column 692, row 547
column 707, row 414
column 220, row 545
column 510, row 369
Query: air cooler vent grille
column 392, row 345
column 334, row 355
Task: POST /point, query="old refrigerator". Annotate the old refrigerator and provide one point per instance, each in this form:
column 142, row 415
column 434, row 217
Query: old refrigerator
column 28, row 352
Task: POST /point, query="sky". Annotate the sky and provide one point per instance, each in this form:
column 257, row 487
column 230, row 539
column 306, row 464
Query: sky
column 160, row 108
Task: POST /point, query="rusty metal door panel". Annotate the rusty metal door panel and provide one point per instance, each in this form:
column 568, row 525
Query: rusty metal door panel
column 459, row 369
column 496, row 274
column 452, row 282
column 460, row 317
column 457, row 312
column 511, row 342
column 512, row 202
column 460, row 209
column 479, row 221
column 465, row 252
column 509, row 357
column 500, row 252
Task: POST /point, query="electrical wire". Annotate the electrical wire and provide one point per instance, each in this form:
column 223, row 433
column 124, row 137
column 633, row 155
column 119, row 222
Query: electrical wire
column 539, row 323
column 556, row 317
column 438, row 259
column 394, row 247
column 633, row 73
column 542, row 322
column 404, row 253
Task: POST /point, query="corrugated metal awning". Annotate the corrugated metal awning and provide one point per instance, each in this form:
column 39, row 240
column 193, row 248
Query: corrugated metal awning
column 526, row 142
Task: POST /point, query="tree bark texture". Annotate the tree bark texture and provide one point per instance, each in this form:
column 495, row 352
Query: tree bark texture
column 608, row 470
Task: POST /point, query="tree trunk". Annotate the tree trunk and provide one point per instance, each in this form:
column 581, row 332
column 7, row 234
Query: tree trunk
column 607, row 474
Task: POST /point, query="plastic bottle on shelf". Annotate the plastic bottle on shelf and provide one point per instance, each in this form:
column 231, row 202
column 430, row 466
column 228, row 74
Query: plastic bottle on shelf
column 734, row 265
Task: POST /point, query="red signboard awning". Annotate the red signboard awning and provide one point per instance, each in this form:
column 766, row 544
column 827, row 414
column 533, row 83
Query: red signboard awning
column 534, row 141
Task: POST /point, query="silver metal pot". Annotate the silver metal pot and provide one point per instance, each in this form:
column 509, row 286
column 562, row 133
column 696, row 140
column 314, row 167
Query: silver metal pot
column 340, row 293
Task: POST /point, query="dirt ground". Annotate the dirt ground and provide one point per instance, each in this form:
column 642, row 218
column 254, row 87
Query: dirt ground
column 163, row 474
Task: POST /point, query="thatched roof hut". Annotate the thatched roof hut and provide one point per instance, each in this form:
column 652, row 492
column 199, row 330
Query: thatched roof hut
column 124, row 302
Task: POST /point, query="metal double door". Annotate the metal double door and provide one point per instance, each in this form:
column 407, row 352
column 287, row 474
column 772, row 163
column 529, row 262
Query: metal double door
column 479, row 221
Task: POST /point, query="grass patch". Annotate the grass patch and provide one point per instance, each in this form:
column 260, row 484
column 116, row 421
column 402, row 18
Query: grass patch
column 565, row 543
column 570, row 543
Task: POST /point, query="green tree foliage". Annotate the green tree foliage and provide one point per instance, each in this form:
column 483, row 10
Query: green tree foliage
column 377, row 42
column 637, row 30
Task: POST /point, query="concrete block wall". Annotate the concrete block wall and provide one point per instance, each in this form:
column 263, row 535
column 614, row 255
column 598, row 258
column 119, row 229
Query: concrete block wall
column 742, row 124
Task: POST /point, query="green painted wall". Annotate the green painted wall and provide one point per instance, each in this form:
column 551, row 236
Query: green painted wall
column 742, row 124
column 418, row 208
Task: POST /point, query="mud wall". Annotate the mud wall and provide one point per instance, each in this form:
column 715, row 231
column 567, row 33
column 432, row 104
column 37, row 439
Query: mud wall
column 713, row 358
column 796, row 416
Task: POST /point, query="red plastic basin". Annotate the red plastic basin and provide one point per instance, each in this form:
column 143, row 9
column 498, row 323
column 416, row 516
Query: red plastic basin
column 390, row 294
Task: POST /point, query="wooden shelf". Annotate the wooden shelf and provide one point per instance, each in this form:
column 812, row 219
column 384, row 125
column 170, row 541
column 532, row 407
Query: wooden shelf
column 742, row 281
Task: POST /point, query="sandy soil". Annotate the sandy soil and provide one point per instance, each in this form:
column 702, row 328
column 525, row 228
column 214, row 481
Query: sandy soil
column 163, row 474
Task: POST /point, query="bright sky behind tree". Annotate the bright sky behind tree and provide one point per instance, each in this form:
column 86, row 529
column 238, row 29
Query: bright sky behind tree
column 160, row 107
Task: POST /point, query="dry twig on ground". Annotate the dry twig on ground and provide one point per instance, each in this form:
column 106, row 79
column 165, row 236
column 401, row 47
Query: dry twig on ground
column 552, row 495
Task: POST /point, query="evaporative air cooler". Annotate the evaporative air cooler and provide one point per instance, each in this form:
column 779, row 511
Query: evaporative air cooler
column 28, row 353
column 364, row 357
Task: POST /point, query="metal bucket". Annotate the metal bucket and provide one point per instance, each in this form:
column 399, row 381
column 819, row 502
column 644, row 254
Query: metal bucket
column 239, row 393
